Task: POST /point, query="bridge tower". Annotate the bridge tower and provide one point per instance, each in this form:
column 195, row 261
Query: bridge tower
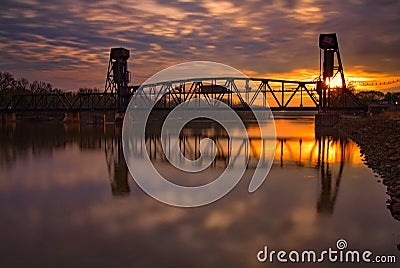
column 339, row 97
column 328, row 43
column 118, row 78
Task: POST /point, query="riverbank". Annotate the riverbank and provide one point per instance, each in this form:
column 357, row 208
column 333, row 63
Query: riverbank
column 379, row 140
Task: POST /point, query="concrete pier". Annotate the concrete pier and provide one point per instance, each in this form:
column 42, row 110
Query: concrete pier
column 9, row 117
column 119, row 117
column 72, row 117
column 326, row 119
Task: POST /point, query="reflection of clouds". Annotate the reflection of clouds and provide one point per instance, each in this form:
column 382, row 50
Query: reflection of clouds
column 259, row 36
column 243, row 222
column 222, row 219
column 58, row 203
column 79, row 219
column 124, row 215
column 62, row 168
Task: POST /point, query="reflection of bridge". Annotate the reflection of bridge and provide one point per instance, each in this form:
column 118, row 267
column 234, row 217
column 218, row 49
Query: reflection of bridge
column 326, row 155
column 308, row 152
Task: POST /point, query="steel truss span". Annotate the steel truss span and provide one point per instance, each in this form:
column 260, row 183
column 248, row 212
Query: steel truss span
column 237, row 92
column 62, row 102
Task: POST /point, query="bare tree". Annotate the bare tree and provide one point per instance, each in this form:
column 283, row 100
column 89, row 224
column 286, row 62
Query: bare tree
column 371, row 96
column 21, row 84
column 6, row 81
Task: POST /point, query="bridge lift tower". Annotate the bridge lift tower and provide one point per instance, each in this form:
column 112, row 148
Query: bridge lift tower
column 339, row 97
column 118, row 78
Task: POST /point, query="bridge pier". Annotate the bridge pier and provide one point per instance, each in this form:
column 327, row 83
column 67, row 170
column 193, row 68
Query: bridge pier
column 8, row 118
column 119, row 117
column 326, row 119
column 72, row 117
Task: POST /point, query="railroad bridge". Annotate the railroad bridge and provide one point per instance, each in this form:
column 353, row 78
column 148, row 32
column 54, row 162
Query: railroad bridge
column 278, row 94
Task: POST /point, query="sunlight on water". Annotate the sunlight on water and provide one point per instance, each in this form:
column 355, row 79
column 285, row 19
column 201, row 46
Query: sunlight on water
column 67, row 199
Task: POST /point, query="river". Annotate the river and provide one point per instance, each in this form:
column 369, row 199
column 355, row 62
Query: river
column 68, row 200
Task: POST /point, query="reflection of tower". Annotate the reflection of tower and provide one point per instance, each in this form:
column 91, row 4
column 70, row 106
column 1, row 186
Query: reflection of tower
column 118, row 77
column 329, row 185
column 117, row 168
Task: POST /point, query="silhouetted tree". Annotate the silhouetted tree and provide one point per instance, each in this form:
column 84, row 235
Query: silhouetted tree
column 371, row 96
column 396, row 97
column 388, row 97
column 40, row 87
column 88, row 90
column 6, row 81
column 10, row 86
column 21, row 85
column 57, row 90
column 34, row 86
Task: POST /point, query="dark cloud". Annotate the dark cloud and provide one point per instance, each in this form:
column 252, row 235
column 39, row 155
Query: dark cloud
column 264, row 37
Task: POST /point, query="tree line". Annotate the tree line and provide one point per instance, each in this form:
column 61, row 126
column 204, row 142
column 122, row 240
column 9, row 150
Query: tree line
column 9, row 86
column 374, row 96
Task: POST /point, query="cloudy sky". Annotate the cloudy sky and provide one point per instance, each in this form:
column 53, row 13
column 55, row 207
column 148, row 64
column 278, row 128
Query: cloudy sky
column 67, row 42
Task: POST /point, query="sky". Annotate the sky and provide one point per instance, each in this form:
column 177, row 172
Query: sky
column 67, row 43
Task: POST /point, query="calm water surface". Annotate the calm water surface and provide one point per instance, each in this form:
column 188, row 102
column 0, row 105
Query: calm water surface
column 67, row 200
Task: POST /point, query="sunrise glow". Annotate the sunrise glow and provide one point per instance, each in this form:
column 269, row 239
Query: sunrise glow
column 70, row 49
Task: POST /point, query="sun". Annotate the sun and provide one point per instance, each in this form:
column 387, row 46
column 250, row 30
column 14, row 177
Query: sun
column 334, row 82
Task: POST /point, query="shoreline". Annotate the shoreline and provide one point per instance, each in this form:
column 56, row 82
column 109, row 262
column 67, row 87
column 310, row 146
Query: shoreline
column 379, row 140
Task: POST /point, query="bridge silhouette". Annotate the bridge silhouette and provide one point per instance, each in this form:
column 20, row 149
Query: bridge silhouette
column 237, row 92
column 277, row 94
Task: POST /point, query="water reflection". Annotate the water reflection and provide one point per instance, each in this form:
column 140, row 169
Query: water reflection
column 116, row 165
column 316, row 153
column 325, row 154
column 58, row 185
column 329, row 185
